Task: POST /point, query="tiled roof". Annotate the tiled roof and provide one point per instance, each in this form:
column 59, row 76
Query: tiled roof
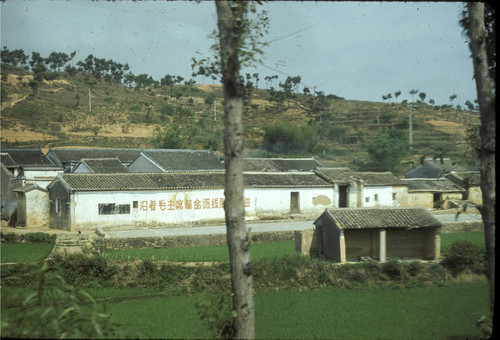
column 185, row 160
column 7, row 161
column 337, row 175
column 433, row 168
column 465, row 178
column 281, row 164
column 104, row 165
column 28, row 157
column 379, row 178
column 186, row 180
column 63, row 155
column 431, row 185
column 369, row 218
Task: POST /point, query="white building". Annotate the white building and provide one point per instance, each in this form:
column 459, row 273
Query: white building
column 79, row 201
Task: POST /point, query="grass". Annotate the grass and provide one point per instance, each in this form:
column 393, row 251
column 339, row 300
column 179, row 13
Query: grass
column 25, row 252
column 445, row 312
column 475, row 237
column 202, row 254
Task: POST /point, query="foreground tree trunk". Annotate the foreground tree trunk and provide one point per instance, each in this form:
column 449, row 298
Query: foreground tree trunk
column 230, row 34
column 486, row 150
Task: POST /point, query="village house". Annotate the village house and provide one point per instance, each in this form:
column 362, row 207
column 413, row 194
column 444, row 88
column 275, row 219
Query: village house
column 69, row 158
column 347, row 186
column 381, row 189
column 433, row 193
column 433, row 168
column 470, row 181
column 32, row 207
column 175, row 160
column 151, row 199
column 343, row 235
column 19, row 168
column 100, row 166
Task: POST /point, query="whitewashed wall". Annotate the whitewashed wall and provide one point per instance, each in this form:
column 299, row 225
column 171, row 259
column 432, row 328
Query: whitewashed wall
column 178, row 207
column 377, row 197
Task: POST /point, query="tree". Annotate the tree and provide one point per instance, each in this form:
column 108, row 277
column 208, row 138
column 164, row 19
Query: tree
column 479, row 26
column 452, row 98
column 422, row 96
column 238, row 47
column 413, row 93
column 386, row 150
column 396, row 95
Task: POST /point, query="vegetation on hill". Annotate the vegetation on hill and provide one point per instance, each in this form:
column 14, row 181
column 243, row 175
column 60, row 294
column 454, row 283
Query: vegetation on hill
column 98, row 104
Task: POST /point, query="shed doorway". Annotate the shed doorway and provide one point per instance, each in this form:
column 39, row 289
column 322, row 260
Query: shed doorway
column 294, row 203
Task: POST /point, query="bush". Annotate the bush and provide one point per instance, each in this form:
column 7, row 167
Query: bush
column 27, row 238
column 464, row 255
column 54, row 309
column 83, row 269
column 395, row 270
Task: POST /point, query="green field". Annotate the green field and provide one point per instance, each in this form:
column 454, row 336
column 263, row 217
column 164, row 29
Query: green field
column 444, row 312
column 25, row 252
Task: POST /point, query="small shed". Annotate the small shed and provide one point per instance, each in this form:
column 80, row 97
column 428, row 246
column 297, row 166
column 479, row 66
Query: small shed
column 33, row 207
column 351, row 234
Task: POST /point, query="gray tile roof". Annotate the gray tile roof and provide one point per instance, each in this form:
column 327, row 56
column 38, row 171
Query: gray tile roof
column 465, row 178
column 104, row 165
column 281, row 164
column 342, row 175
column 25, row 157
column 7, row 161
column 433, row 168
column 380, row 179
column 185, row 160
column 431, row 185
column 370, row 218
column 70, row 155
column 186, row 180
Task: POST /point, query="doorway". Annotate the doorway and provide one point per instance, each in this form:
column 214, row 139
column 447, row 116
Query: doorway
column 343, row 196
column 294, row 203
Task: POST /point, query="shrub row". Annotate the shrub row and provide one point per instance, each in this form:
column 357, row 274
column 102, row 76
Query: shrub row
column 27, row 238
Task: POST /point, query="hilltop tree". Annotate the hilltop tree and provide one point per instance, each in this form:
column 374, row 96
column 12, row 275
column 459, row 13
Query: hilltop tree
column 16, row 57
column 452, row 98
column 413, row 93
column 396, row 95
column 422, row 96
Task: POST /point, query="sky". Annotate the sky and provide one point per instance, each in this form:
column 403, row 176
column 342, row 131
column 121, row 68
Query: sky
column 354, row 50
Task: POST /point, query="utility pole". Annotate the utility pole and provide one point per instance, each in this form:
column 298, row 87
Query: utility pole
column 410, row 128
column 90, row 102
column 215, row 110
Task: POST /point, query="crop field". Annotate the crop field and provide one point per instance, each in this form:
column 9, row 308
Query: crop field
column 419, row 313
column 25, row 252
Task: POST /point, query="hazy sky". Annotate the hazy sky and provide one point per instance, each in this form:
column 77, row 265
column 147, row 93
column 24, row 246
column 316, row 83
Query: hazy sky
column 355, row 50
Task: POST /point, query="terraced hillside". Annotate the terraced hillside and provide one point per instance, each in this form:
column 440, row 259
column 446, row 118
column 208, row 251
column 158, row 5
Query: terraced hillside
column 79, row 110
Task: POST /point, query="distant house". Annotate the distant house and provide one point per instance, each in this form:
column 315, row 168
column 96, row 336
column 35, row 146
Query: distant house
column 343, row 235
column 470, row 181
column 149, row 199
column 434, row 168
column 69, row 158
column 280, row 164
column 100, row 166
column 432, row 193
column 381, row 189
column 166, row 160
column 22, row 167
column 32, row 164
column 347, row 186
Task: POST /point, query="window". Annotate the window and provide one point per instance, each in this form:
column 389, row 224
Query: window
column 393, row 196
column 367, row 199
column 58, row 205
column 376, row 197
column 135, row 204
column 112, row 209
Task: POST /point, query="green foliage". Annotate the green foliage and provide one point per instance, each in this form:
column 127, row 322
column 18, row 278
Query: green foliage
column 289, row 138
column 169, row 138
column 386, row 150
column 219, row 314
column 53, row 310
column 83, row 269
column 464, row 255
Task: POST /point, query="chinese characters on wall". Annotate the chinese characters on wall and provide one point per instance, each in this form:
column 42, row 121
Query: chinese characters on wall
column 185, row 204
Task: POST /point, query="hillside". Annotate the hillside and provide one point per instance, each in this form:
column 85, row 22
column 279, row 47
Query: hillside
column 58, row 113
